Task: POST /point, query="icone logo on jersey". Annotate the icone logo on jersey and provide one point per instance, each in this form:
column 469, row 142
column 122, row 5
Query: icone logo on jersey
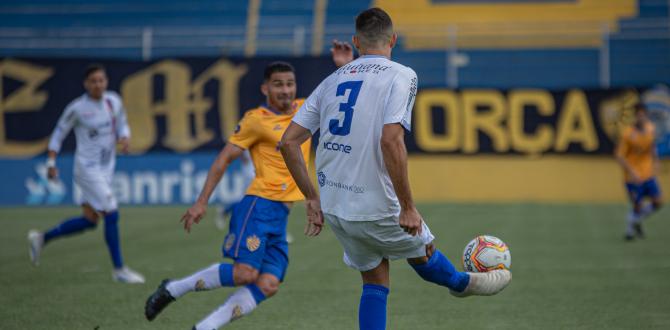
column 345, row 148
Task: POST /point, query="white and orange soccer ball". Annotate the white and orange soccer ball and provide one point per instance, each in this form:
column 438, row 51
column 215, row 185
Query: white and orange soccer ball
column 485, row 253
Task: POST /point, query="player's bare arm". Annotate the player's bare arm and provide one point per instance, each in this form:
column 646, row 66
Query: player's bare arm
column 124, row 144
column 196, row 212
column 294, row 136
column 395, row 159
column 52, row 170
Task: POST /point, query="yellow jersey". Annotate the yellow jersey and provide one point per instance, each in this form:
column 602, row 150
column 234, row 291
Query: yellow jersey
column 637, row 148
column 260, row 131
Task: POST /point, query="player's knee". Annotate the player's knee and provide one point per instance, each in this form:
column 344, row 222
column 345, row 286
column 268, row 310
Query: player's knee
column 244, row 274
column 430, row 249
column 91, row 215
column 269, row 285
column 656, row 204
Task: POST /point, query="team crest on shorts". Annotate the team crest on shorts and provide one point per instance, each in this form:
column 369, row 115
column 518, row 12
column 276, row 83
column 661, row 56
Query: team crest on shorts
column 253, row 243
column 228, row 244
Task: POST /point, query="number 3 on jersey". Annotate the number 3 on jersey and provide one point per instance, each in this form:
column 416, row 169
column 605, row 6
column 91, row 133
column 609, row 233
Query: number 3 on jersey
column 344, row 128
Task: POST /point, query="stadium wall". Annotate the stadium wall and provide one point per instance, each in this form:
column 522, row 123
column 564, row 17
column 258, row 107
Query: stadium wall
column 466, row 145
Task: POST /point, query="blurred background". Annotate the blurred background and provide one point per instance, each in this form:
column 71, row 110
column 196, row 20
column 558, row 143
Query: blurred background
column 519, row 108
column 518, row 100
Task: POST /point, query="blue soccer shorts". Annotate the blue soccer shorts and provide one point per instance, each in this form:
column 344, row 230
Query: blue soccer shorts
column 257, row 235
column 648, row 188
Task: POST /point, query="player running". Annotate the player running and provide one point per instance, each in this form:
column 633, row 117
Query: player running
column 637, row 155
column 256, row 240
column 361, row 110
column 99, row 122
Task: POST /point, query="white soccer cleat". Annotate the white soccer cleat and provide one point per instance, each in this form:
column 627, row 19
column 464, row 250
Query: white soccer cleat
column 36, row 243
column 485, row 284
column 127, row 275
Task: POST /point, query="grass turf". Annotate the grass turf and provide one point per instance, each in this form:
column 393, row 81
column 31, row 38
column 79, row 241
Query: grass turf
column 572, row 270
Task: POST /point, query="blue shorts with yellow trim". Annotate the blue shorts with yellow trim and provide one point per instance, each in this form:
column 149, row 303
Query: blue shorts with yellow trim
column 257, row 235
column 648, row 188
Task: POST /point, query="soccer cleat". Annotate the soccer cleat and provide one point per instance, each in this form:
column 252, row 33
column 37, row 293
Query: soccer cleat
column 485, row 284
column 36, row 243
column 127, row 275
column 158, row 301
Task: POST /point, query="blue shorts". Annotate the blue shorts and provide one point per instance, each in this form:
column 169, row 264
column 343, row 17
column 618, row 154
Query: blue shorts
column 257, row 235
column 637, row 192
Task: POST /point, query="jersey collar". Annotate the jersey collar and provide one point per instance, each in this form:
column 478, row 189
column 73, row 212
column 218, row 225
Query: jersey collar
column 276, row 112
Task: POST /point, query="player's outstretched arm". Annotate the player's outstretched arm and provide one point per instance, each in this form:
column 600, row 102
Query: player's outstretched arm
column 294, row 136
column 395, row 159
column 193, row 215
column 65, row 124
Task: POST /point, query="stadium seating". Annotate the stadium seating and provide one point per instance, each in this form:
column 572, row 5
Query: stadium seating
column 637, row 45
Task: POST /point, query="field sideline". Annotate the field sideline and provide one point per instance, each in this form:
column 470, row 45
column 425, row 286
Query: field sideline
column 572, row 270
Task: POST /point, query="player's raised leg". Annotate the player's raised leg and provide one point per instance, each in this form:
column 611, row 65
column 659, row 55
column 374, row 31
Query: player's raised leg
column 436, row 268
column 212, row 277
column 37, row 240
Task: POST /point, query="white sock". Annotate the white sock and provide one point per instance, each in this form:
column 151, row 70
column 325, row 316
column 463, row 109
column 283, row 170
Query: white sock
column 240, row 303
column 645, row 211
column 631, row 220
column 205, row 279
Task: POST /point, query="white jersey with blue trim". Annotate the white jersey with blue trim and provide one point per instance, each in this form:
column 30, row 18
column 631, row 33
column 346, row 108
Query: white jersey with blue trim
column 350, row 108
column 97, row 124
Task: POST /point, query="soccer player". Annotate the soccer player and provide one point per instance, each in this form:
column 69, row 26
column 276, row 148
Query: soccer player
column 637, row 155
column 362, row 110
column 99, row 122
column 256, row 240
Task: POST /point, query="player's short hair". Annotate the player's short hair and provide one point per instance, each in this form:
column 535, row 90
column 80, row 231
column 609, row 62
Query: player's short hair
column 278, row 66
column 94, row 67
column 373, row 27
column 640, row 107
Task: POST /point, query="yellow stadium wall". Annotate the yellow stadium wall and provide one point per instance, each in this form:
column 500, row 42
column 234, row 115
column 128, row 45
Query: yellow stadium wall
column 497, row 178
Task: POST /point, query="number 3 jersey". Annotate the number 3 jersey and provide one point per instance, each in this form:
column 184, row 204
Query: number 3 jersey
column 350, row 108
column 97, row 126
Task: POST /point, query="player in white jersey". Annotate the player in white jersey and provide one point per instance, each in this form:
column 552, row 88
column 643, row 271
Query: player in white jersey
column 99, row 122
column 362, row 110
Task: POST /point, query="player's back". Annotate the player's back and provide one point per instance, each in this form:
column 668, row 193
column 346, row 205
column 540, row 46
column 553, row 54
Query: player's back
column 354, row 103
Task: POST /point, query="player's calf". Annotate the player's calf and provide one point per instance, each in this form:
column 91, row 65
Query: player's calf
column 439, row 270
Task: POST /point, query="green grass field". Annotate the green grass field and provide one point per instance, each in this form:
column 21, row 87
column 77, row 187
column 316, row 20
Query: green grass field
column 572, row 270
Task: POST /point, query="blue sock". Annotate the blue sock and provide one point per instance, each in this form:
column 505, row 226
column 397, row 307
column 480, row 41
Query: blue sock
column 440, row 271
column 256, row 292
column 226, row 274
column 68, row 227
column 372, row 310
column 112, row 238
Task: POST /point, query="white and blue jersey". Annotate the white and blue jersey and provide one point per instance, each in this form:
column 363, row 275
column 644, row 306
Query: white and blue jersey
column 97, row 124
column 350, row 108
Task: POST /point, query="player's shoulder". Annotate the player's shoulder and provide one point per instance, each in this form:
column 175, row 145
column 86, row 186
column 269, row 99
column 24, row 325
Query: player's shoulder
column 403, row 70
column 113, row 96
column 77, row 104
column 298, row 103
column 627, row 131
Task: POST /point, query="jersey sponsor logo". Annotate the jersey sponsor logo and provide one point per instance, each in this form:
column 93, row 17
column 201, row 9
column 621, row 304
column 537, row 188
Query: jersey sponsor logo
column 323, row 182
column 322, row 179
column 344, row 148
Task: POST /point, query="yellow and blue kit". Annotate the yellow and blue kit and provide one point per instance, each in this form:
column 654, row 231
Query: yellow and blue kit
column 257, row 234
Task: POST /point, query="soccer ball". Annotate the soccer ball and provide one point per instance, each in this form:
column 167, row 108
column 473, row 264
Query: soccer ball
column 485, row 253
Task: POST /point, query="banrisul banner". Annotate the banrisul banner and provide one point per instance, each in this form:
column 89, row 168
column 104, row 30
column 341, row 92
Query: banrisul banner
column 156, row 178
column 192, row 104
